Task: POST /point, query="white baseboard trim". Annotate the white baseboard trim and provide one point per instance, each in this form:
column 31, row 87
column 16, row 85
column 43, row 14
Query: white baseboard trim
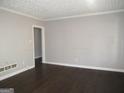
column 17, row 72
column 87, row 67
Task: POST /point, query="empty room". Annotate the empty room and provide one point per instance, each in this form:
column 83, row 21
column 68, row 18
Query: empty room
column 61, row 46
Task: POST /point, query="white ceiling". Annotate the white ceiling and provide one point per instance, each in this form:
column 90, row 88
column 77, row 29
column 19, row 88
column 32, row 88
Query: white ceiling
column 53, row 9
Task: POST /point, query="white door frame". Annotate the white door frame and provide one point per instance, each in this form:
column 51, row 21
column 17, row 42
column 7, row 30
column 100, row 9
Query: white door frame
column 43, row 42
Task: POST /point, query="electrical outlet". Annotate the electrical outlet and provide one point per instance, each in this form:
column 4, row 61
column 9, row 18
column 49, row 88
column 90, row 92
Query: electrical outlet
column 1, row 69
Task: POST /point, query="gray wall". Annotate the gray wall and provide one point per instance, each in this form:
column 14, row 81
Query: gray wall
column 87, row 41
column 37, row 42
column 96, row 41
column 16, row 41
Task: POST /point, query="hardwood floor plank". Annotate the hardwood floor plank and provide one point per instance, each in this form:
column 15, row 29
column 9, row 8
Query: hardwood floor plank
column 47, row 78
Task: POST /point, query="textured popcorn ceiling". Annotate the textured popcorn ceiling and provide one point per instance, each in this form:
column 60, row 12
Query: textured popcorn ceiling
column 50, row 9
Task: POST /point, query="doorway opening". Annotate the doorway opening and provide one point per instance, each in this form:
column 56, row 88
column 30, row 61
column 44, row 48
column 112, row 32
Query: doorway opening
column 39, row 45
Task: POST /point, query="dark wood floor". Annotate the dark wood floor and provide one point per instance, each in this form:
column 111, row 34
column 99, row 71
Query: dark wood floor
column 59, row 79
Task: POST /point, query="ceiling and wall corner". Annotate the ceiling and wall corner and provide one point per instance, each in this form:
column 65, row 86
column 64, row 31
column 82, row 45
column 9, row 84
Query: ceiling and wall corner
column 47, row 10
